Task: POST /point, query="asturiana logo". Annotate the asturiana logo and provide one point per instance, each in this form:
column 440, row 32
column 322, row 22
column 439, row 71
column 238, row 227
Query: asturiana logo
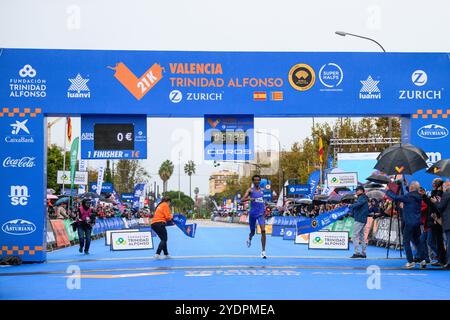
column 19, row 227
column 432, row 131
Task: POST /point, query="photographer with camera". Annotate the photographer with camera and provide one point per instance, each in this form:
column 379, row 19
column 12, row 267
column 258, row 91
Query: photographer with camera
column 84, row 224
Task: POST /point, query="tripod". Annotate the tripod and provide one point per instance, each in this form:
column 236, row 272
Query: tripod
column 398, row 224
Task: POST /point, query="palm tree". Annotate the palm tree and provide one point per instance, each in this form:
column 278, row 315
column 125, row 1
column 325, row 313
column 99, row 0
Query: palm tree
column 165, row 171
column 189, row 169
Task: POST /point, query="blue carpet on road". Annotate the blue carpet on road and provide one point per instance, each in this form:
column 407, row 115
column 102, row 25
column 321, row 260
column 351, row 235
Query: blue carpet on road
column 218, row 265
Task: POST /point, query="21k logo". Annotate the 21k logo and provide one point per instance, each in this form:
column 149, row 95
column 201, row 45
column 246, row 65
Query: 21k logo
column 138, row 87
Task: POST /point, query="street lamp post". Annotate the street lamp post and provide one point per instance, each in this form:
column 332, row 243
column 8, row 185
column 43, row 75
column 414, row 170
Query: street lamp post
column 343, row 34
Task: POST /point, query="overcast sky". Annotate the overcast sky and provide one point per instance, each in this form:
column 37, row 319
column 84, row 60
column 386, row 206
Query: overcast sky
column 232, row 25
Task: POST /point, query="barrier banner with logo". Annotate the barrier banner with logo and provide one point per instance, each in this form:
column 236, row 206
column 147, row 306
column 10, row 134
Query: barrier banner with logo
column 330, row 240
column 289, row 233
column 73, row 160
column 302, row 238
column 323, row 220
column 141, row 240
column 62, row 240
column 313, row 181
column 188, row 229
column 137, row 194
column 23, row 182
column 108, row 234
column 268, row 227
column 342, row 179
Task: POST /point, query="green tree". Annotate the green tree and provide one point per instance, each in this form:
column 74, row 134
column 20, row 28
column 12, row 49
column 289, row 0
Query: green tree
column 54, row 163
column 189, row 169
column 127, row 174
column 108, row 175
column 165, row 172
column 182, row 205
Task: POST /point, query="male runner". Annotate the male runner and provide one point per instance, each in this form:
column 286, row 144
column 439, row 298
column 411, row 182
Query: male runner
column 255, row 194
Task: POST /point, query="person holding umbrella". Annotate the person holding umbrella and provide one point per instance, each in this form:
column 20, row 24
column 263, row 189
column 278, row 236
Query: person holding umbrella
column 411, row 220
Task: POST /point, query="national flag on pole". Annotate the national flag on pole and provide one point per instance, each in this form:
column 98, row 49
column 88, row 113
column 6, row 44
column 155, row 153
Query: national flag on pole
column 69, row 129
column 320, row 150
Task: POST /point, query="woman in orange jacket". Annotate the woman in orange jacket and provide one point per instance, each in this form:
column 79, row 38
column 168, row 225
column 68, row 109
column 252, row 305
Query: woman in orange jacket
column 159, row 221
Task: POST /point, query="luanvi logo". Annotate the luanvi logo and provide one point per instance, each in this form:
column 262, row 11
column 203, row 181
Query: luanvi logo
column 138, row 87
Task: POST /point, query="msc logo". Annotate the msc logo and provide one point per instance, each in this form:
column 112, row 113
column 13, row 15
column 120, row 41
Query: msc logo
column 138, row 87
column 433, row 157
column 419, row 78
column 302, row 77
column 432, row 131
column 19, row 195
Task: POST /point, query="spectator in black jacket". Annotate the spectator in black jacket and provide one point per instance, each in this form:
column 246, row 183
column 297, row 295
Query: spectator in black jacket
column 443, row 205
column 411, row 213
column 360, row 211
column 436, row 239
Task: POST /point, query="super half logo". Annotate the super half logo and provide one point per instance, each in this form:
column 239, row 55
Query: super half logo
column 432, row 131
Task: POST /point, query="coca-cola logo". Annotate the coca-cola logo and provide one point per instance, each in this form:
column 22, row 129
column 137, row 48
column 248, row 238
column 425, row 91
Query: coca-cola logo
column 24, row 162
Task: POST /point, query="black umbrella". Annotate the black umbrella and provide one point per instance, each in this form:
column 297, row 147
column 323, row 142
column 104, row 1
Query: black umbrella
column 348, row 197
column 407, row 146
column 321, row 198
column 341, row 189
column 372, row 185
column 401, row 159
column 375, row 194
column 440, row 168
column 378, row 178
column 92, row 195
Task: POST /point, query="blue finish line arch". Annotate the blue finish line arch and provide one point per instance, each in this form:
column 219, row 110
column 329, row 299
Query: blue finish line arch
column 36, row 83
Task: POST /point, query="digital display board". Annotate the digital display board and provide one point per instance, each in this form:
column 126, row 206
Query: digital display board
column 114, row 137
column 229, row 137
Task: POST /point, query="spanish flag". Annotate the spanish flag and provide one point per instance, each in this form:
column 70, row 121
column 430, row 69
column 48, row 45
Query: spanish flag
column 69, row 129
column 320, row 150
column 260, row 96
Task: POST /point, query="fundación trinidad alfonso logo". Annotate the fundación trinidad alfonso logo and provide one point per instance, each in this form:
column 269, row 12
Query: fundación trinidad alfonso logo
column 302, row 77
column 138, row 87
column 121, row 241
column 78, row 88
column 318, row 240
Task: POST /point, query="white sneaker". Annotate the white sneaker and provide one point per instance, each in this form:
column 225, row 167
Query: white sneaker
column 158, row 257
column 263, row 255
column 166, row 257
column 249, row 243
column 410, row 265
column 423, row 264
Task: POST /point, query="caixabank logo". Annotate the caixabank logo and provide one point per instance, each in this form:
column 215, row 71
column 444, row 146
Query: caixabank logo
column 138, row 87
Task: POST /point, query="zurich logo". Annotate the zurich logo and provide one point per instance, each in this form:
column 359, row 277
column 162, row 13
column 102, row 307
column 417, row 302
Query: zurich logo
column 432, row 131
column 18, row 227
column 419, row 78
